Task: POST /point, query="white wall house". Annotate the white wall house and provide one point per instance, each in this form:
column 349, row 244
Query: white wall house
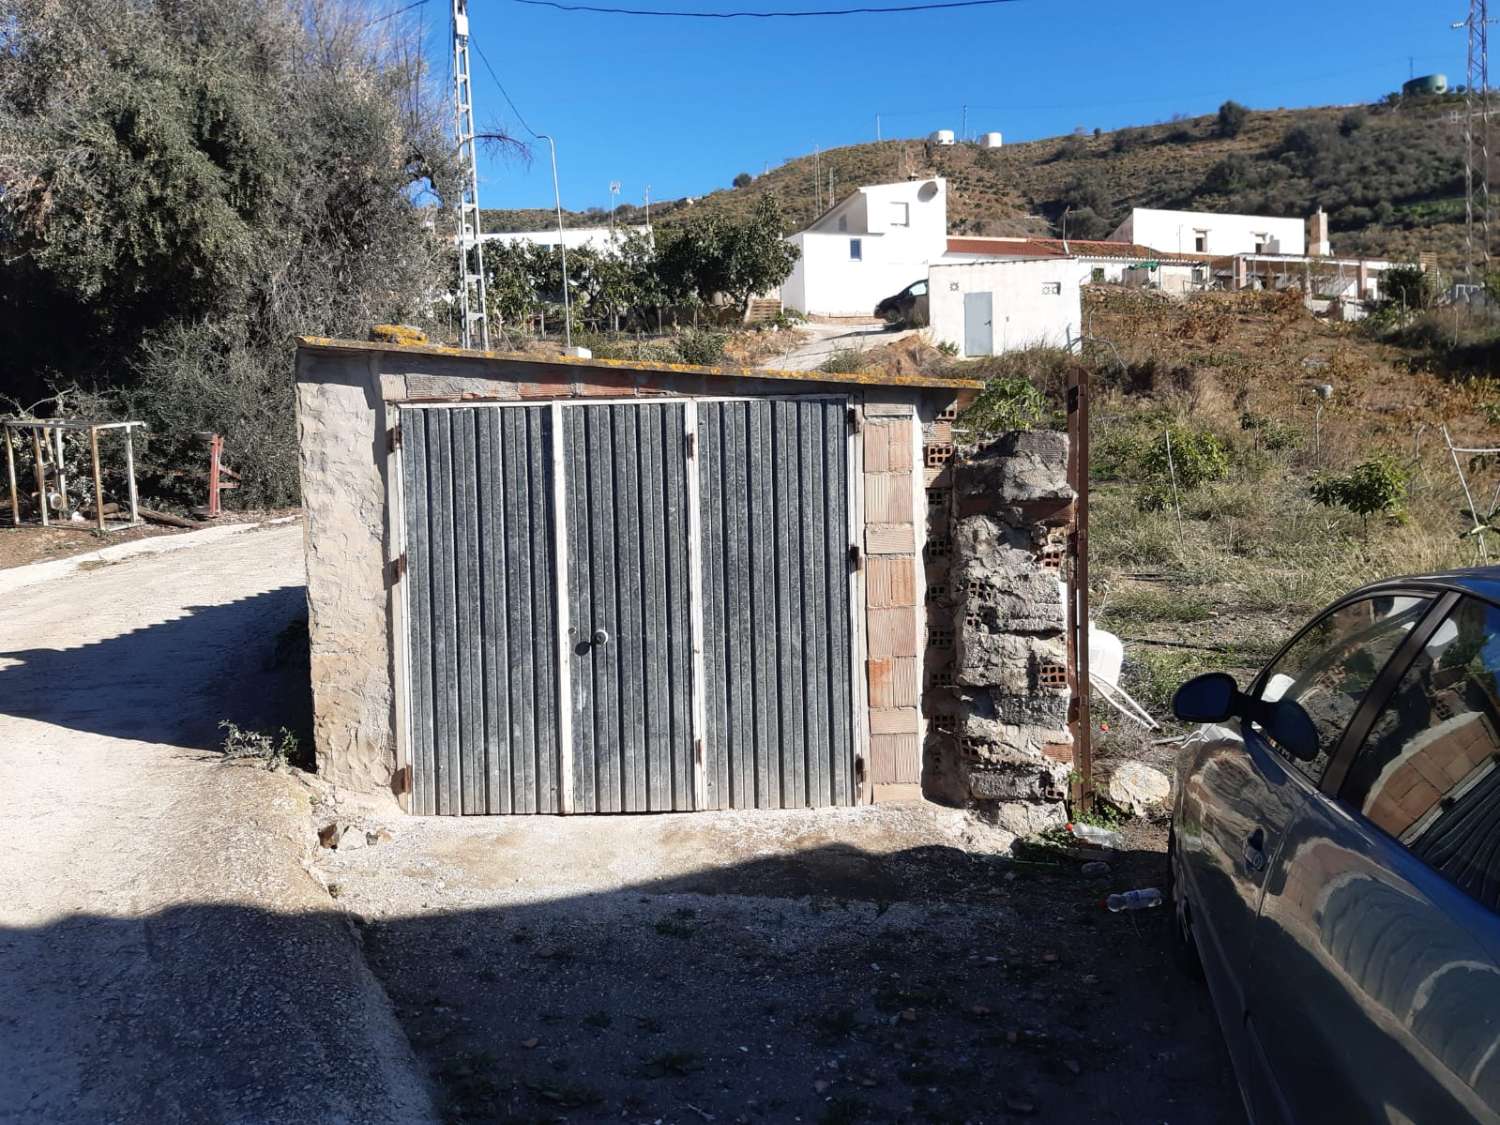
column 595, row 238
column 1204, row 232
column 874, row 244
column 992, row 307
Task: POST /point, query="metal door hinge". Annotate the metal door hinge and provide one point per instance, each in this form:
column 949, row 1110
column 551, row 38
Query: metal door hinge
column 692, row 444
column 395, row 570
column 393, row 439
column 856, row 556
column 854, row 420
column 698, row 751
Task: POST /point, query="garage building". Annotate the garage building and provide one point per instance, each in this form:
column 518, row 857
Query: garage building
column 550, row 585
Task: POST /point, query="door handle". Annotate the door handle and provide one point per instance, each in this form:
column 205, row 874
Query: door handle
column 601, row 637
column 1254, row 851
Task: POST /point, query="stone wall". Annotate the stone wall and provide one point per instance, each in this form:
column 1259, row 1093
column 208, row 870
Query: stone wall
column 998, row 692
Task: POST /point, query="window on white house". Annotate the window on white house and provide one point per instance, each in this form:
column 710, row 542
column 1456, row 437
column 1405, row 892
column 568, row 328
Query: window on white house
column 902, row 217
column 1200, row 241
column 1052, row 288
column 856, row 250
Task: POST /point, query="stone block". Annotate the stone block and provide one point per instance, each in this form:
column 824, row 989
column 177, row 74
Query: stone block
column 1018, row 468
column 422, row 386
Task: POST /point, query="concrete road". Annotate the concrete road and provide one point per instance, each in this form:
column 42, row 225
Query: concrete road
column 165, row 955
column 823, row 341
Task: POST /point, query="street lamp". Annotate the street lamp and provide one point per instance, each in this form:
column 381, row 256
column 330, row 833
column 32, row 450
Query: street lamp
column 562, row 245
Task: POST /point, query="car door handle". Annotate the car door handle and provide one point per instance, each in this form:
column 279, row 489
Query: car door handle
column 1254, row 851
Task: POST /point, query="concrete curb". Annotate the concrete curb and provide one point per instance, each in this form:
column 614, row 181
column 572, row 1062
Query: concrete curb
column 19, row 577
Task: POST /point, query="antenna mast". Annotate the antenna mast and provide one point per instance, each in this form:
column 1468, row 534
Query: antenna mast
column 1477, row 144
column 471, row 301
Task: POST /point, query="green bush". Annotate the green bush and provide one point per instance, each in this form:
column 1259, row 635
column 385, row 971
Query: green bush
column 1007, row 403
column 1179, row 460
column 699, row 345
column 1368, row 489
column 1232, row 118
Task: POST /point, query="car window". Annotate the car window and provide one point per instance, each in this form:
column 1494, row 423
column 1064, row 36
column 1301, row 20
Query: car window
column 1427, row 772
column 918, row 289
column 1333, row 663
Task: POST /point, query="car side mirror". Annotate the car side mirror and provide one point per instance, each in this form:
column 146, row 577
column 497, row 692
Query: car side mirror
column 1209, row 698
column 1214, row 697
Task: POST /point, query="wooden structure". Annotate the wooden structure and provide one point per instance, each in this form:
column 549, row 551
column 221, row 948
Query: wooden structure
column 45, row 439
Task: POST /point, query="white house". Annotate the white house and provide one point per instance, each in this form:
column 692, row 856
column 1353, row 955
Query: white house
column 1119, row 262
column 595, row 238
column 1204, row 232
column 875, row 243
column 991, row 307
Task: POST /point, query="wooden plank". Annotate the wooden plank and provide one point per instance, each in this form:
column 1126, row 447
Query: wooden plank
column 41, row 477
column 135, row 506
column 562, row 602
column 10, row 473
column 98, row 479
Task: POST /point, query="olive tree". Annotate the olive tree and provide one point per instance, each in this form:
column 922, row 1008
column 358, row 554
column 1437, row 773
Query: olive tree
column 186, row 185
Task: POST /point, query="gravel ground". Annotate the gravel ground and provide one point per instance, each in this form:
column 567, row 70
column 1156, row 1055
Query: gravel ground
column 165, row 956
column 886, row 964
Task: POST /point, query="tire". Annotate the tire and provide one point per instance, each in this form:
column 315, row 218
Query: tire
column 1184, row 945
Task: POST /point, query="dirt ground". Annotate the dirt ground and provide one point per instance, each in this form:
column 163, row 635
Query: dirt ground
column 880, row 964
column 174, row 947
column 165, row 956
column 33, row 543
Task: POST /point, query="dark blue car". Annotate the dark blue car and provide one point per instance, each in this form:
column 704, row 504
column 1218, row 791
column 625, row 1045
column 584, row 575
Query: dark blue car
column 1335, row 858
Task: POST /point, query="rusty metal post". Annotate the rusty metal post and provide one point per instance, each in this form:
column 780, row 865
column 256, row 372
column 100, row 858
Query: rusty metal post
column 215, row 451
column 10, row 473
column 41, row 474
column 1078, row 583
column 98, row 478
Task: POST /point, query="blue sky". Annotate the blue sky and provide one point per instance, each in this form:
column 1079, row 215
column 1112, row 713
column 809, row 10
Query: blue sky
column 684, row 105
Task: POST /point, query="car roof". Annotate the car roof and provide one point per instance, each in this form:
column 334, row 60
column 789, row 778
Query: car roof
column 1480, row 581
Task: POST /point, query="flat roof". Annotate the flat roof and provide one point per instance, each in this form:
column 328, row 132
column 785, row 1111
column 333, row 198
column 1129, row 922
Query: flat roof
column 863, row 378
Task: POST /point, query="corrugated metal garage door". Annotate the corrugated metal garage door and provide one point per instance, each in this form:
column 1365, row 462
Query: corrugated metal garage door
column 481, row 610
column 774, row 494
column 628, row 607
column 748, row 496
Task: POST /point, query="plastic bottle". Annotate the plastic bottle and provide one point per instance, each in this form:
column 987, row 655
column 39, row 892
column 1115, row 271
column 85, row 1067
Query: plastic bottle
column 1099, row 837
column 1143, row 899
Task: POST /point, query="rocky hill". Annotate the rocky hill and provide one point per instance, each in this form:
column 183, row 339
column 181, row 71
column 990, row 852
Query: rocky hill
column 1389, row 175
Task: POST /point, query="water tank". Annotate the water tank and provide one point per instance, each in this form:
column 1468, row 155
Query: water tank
column 1427, row 84
column 941, row 137
column 991, row 140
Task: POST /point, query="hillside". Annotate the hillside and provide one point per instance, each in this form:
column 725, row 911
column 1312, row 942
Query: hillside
column 1390, row 177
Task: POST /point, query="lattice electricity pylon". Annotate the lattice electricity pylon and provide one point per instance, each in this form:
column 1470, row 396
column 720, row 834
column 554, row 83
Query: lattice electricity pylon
column 471, row 302
column 1477, row 142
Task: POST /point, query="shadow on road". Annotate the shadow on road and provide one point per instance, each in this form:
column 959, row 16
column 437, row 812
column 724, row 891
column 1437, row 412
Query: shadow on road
column 245, row 661
column 825, row 986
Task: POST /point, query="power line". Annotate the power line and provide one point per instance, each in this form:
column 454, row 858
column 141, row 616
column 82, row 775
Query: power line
column 763, row 15
column 397, row 12
column 495, row 78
